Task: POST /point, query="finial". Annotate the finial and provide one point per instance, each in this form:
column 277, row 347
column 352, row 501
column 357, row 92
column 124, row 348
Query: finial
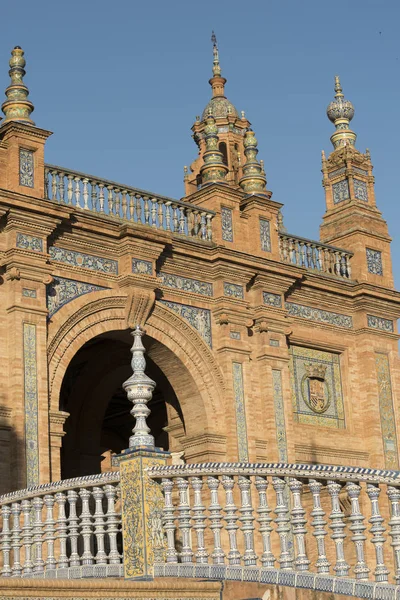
column 341, row 112
column 253, row 181
column 243, row 114
column 213, row 170
column 17, row 107
column 216, row 65
column 185, row 173
column 323, row 155
column 139, row 388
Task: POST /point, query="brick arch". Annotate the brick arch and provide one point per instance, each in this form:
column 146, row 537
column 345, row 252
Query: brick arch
column 181, row 353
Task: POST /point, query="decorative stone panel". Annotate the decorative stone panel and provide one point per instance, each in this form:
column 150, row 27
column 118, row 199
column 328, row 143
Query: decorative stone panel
column 316, row 387
column 199, row 318
column 279, row 415
column 142, row 267
column 227, row 225
column 29, row 242
column 388, row 427
column 238, row 392
column 360, row 190
column 62, row 290
column 265, row 235
column 31, row 404
column 233, row 290
column 26, row 168
column 374, row 261
column 272, row 299
column 340, row 191
column 87, row 261
column 318, row 315
column 186, row 284
column 380, row 323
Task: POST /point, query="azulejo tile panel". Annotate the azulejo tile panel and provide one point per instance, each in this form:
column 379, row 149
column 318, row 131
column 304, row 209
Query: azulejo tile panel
column 186, row 284
column 360, row 189
column 374, row 261
column 28, row 293
column 360, row 171
column 227, row 225
column 87, row 261
column 26, row 168
column 316, row 387
column 265, row 235
column 279, row 408
column 29, row 242
column 31, row 404
column 340, row 191
column 199, row 318
column 318, row 315
column 234, row 335
column 233, row 290
column 142, row 267
column 380, row 323
column 63, row 290
column 241, row 427
column 388, row 427
column 272, row 299
column 337, row 172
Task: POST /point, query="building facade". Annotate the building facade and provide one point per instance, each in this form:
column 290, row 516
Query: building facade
column 265, row 346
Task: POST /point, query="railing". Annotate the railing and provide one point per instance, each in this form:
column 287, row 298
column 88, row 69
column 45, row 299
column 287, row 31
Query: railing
column 219, row 524
column 103, row 197
column 314, row 255
column 71, row 529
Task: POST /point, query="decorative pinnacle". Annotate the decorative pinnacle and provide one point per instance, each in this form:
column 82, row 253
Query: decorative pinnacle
column 213, row 170
column 253, row 181
column 139, row 388
column 17, row 107
column 216, row 65
column 341, row 111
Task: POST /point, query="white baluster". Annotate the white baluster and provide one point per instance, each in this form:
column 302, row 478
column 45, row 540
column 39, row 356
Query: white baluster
column 85, row 193
column 217, row 554
column 38, row 562
column 86, row 527
column 160, row 215
column 112, row 524
column 6, row 540
column 184, row 520
column 54, row 186
column 61, row 186
column 264, row 520
column 138, row 208
column 318, row 524
column 208, row 228
column 377, row 529
column 298, row 523
column 46, row 183
column 394, row 531
column 117, row 201
column 77, row 192
column 168, row 216
column 74, row 560
column 231, row 518
column 337, row 525
column 69, row 189
column 61, row 529
column 175, row 217
column 146, row 210
column 153, row 212
column 50, row 532
column 93, row 196
column 27, row 536
column 357, row 526
column 101, row 197
column 101, row 556
column 124, row 203
column 283, row 523
column 16, row 539
column 182, row 220
column 199, row 520
column 169, row 520
column 247, row 520
column 110, row 199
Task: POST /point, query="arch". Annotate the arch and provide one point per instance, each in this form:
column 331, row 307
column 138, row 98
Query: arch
column 180, row 352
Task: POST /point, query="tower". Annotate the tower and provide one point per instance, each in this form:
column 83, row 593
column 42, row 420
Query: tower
column 352, row 219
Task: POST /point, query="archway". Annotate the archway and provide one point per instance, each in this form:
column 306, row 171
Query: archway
column 100, row 422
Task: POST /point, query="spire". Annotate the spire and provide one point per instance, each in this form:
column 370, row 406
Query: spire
column 17, row 107
column 216, row 66
column 253, row 181
column 341, row 111
column 217, row 82
column 213, row 170
column 139, row 388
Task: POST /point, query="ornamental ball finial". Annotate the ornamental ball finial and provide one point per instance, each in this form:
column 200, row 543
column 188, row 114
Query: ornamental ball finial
column 340, row 108
column 17, row 107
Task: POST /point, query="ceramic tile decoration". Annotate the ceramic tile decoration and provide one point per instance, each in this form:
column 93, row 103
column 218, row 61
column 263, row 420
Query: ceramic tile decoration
column 29, row 242
column 386, row 411
column 28, row 293
column 31, row 404
column 87, row 261
column 272, row 299
column 374, row 261
column 26, row 168
column 340, row 191
column 199, row 318
column 186, row 284
column 238, row 392
column 279, row 415
column 233, row 290
column 62, row 290
column 265, row 235
column 227, row 226
column 142, row 267
column 318, row 315
column 380, row 323
column 234, row 335
column 360, row 189
column 316, row 387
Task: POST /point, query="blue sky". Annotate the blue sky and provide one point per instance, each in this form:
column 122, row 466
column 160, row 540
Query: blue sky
column 120, row 83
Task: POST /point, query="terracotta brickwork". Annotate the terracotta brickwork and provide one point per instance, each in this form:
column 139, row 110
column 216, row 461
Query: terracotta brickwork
column 259, row 356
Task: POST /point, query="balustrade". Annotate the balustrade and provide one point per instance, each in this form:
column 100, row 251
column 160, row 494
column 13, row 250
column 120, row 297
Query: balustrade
column 314, row 255
column 85, row 192
column 318, row 520
column 70, row 525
